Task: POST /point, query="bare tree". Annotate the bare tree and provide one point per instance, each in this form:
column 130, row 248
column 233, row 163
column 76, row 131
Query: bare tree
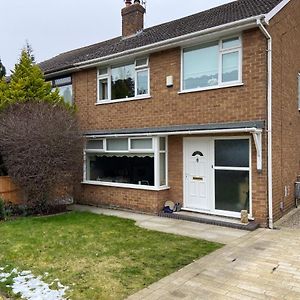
column 42, row 150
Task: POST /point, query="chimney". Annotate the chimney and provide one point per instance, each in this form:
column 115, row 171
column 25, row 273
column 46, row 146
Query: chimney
column 132, row 18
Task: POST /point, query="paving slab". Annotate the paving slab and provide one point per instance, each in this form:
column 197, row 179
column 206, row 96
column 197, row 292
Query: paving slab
column 207, row 232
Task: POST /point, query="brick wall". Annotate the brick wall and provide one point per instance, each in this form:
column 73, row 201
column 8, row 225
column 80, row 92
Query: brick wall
column 132, row 199
column 285, row 31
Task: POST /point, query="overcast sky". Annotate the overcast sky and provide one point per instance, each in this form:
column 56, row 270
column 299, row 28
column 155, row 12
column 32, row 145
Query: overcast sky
column 56, row 26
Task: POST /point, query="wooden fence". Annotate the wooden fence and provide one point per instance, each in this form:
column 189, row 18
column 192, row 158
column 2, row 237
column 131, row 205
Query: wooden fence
column 9, row 192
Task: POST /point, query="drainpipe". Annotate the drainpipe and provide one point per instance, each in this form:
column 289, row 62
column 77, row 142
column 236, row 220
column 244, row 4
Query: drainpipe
column 269, row 128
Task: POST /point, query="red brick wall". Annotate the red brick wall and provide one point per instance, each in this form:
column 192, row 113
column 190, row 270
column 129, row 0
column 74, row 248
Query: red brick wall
column 285, row 31
column 132, row 199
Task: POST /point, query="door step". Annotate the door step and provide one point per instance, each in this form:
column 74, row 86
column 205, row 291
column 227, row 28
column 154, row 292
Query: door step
column 211, row 220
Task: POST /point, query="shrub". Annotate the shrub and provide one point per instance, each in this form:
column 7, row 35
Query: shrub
column 42, row 150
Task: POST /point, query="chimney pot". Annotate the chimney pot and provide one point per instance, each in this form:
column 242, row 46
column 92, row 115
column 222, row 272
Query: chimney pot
column 128, row 2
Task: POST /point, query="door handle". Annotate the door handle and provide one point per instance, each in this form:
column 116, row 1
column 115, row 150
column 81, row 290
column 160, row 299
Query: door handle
column 198, row 178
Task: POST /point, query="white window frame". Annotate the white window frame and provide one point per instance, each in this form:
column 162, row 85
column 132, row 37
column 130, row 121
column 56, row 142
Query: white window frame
column 155, row 151
column 222, row 51
column 246, row 169
column 107, row 76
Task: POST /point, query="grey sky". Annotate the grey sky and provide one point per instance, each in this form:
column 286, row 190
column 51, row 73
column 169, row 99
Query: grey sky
column 57, row 26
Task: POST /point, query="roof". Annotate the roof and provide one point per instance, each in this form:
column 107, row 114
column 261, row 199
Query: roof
column 217, row 16
column 178, row 128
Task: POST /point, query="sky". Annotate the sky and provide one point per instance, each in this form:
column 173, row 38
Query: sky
column 56, row 26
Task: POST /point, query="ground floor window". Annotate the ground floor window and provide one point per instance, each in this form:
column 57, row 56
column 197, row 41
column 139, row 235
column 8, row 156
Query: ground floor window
column 130, row 161
column 232, row 169
column 135, row 169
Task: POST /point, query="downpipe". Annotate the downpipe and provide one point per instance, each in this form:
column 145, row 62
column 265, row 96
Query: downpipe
column 269, row 128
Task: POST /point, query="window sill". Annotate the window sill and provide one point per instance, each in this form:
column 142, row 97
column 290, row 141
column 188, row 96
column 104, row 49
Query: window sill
column 211, row 88
column 126, row 186
column 122, row 100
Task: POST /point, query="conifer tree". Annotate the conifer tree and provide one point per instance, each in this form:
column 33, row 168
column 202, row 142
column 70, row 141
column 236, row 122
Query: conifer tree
column 27, row 84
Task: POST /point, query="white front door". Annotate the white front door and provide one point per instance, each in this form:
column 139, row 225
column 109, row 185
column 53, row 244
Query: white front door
column 198, row 174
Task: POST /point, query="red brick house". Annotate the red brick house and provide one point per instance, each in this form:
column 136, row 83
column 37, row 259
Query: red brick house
column 203, row 110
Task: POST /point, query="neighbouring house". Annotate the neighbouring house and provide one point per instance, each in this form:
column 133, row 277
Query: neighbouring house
column 202, row 110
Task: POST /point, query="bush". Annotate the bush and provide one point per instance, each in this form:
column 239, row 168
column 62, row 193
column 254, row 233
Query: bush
column 41, row 148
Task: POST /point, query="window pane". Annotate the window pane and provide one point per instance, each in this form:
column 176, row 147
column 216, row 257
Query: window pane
column 94, row 145
column 66, row 93
column 117, row 144
column 232, row 190
column 230, row 67
column 162, row 144
column 141, row 144
column 103, row 89
column 142, row 82
column 141, row 62
column 162, row 168
column 201, row 67
column 232, row 153
column 231, row 43
column 122, row 79
column 132, row 169
column 103, row 71
column 62, row 81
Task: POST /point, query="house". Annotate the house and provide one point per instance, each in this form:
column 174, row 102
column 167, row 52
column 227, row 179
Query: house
column 203, row 111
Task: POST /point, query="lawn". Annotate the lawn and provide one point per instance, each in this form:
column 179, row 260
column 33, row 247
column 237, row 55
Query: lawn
column 98, row 257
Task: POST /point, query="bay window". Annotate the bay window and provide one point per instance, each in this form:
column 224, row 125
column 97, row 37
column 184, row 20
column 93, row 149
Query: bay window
column 212, row 65
column 127, row 162
column 123, row 82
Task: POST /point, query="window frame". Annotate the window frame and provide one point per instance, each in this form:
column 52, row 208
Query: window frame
column 58, row 85
column 238, row 169
column 156, row 154
column 221, row 53
column 107, row 77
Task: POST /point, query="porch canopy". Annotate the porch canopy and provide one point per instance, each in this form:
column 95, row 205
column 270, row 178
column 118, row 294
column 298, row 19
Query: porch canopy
column 251, row 127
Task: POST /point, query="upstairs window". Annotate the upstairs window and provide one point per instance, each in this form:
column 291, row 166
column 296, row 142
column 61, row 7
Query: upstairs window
column 212, row 65
column 64, row 85
column 124, row 81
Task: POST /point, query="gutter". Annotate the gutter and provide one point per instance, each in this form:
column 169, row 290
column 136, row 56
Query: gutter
column 269, row 125
column 166, row 44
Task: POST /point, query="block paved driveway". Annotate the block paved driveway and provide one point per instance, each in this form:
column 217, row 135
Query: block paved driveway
column 264, row 264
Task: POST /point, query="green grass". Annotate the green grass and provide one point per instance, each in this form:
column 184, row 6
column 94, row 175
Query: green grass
column 106, row 257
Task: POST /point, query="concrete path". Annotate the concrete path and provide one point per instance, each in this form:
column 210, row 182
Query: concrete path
column 196, row 230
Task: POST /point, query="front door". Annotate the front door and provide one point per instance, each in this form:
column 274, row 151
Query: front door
column 198, row 174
